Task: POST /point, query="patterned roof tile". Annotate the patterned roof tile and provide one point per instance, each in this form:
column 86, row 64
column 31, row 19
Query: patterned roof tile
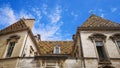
column 47, row 47
column 19, row 25
column 98, row 22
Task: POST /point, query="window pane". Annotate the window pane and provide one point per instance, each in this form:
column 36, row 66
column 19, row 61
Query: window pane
column 101, row 51
column 99, row 43
column 118, row 42
column 57, row 50
column 10, row 49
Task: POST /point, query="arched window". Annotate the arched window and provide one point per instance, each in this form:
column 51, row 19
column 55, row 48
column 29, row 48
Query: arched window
column 99, row 40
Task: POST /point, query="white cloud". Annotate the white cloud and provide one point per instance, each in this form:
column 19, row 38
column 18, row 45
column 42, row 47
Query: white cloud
column 91, row 11
column 51, row 30
column 74, row 15
column 97, row 11
column 7, row 15
column 24, row 14
column 102, row 15
column 55, row 15
column 113, row 9
column 37, row 13
column 44, row 9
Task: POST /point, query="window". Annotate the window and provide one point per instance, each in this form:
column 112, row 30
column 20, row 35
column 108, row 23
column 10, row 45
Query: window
column 99, row 40
column 101, row 51
column 118, row 43
column 10, row 49
column 31, row 51
column 11, row 44
column 56, row 49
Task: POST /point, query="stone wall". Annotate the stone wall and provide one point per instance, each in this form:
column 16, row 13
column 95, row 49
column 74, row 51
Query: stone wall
column 8, row 63
column 37, row 63
column 72, row 63
column 4, row 44
column 28, row 63
column 90, row 52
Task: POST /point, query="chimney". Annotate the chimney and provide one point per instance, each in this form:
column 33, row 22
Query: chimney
column 73, row 37
column 37, row 37
column 29, row 23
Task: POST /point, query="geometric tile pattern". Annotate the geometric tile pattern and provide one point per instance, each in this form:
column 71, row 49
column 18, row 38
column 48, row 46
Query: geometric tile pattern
column 47, row 47
column 99, row 22
column 19, row 25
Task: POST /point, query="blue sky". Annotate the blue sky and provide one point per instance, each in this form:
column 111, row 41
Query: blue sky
column 57, row 19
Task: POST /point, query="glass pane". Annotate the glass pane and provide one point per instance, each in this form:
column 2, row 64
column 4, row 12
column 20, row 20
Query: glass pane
column 10, row 49
column 101, row 51
column 57, row 49
column 99, row 43
column 118, row 42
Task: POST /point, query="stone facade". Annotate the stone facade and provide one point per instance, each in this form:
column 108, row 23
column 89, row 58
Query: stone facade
column 99, row 47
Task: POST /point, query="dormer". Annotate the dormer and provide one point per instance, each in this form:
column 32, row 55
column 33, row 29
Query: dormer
column 57, row 49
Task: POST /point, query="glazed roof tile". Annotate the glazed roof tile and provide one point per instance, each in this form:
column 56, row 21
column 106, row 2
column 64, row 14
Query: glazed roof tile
column 47, row 47
column 19, row 25
column 99, row 22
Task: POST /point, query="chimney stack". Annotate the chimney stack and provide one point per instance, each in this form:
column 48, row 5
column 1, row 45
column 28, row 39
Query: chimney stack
column 29, row 23
column 37, row 37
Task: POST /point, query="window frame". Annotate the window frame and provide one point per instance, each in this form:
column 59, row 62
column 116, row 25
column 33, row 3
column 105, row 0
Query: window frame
column 10, row 49
column 118, row 44
column 100, row 37
column 103, row 49
column 11, row 39
column 56, row 48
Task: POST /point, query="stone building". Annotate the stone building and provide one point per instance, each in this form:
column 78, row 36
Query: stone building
column 19, row 48
column 96, row 44
column 98, row 40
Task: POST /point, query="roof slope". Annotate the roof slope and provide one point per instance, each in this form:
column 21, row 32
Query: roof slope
column 99, row 22
column 19, row 25
column 47, row 47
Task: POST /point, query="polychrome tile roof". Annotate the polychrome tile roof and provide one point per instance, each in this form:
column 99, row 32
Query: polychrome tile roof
column 19, row 25
column 47, row 47
column 96, row 21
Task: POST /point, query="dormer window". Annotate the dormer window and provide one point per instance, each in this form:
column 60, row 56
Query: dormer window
column 57, row 49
